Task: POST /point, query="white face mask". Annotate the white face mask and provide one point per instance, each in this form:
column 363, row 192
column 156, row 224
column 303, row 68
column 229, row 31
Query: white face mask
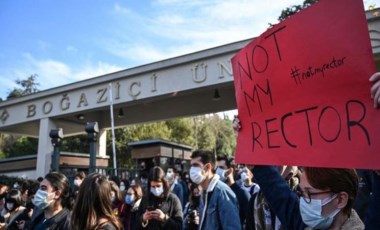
column 311, row 213
column 222, row 174
column 169, row 176
column 196, row 175
column 244, row 176
column 76, row 182
column 40, row 199
column 122, row 187
column 157, row 191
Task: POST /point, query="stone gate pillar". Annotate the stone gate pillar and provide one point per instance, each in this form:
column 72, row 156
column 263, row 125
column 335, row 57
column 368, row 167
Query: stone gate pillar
column 45, row 148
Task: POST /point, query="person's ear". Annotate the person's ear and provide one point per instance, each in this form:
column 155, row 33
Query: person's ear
column 57, row 194
column 207, row 167
column 342, row 200
column 229, row 172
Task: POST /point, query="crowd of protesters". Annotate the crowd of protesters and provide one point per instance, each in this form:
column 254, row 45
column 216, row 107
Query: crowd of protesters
column 215, row 193
column 221, row 195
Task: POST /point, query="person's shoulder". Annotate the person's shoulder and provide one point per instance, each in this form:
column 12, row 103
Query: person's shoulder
column 107, row 226
column 223, row 188
column 172, row 196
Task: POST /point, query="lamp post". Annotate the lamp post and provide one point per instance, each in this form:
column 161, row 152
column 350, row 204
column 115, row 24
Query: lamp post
column 92, row 130
column 56, row 136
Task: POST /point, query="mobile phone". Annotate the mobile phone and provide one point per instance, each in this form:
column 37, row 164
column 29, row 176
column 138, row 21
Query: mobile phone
column 150, row 208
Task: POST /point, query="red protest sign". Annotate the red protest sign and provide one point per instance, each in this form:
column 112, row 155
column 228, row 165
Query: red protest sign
column 303, row 93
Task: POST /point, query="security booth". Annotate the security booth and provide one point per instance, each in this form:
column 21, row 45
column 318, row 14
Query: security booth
column 159, row 152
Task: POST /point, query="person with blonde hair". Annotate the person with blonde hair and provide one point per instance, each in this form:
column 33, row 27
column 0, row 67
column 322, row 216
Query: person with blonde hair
column 93, row 209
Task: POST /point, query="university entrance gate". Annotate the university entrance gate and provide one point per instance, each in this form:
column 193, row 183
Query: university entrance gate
column 188, row 85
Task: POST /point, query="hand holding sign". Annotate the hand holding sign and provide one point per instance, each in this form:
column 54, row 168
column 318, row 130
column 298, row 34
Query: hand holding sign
column 375, row 90
column 302, row 91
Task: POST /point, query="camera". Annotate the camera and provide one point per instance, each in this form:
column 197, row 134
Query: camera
column 192, row 214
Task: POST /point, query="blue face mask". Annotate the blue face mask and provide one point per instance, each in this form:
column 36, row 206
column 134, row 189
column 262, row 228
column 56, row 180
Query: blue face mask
column 41, row 199
column 128, row 199
column 221, row 173
column 157, row 191
column 311, row 213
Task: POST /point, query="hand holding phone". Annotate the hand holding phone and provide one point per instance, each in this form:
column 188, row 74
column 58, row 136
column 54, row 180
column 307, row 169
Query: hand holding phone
column 150, row 208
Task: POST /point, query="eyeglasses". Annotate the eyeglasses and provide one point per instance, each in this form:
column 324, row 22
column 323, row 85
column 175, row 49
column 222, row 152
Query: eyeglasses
column 306, row 195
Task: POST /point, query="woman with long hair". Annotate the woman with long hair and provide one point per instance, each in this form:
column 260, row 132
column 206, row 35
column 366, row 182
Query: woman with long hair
column 160, row 208
column 93, row 209
column 15, row 210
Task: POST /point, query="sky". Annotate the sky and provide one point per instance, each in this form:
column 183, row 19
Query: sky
column 69, row 40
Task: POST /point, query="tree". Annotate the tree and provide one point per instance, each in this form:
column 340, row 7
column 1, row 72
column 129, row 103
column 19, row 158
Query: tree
column 289, row 11
column 206, row 136
column 134, row 133
column 10, row 145
column 75, row 144
column 23, row 146
column 182, row 131
column 26, row 87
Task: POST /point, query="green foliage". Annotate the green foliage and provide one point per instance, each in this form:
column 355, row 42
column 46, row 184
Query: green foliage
column 13, row 146
column 23, row 146
column 289, row 11
column 2, row 155
column 182, row 131
column 205, row 136
column 26, row 86
column 75, row 144
column 211, row 132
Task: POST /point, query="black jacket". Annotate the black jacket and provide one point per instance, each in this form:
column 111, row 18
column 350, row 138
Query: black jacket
column 169, row 205
column 57, row 222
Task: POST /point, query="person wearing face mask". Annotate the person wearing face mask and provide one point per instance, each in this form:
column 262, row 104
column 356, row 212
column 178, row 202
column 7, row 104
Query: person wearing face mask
column 79, row 177
column 226, row 174
column 117, row 199
column 159, row 208
column 326, row 198
column 124, row 185
column 327, row 195
column 144, row 181
column 247, row 183
column 53, row 198
column 132, row 201
column 191, row 210
column 175, row 187
column 93, row 207
column 260, row 214
column 14, row 209
column 219, row 207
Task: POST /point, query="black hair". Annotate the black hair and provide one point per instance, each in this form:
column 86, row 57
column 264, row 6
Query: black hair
column 81, row 175
column 115, row 179
column 224, row 158
column 25, row 186
column 206, row 157
column 33, row 189
column 60, row 182
column 174, row 169
column 157, row 174
column 14, row 196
